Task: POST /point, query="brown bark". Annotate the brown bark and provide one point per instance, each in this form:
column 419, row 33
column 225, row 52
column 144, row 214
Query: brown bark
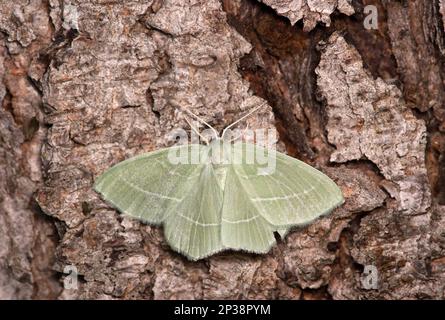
column 86, row 85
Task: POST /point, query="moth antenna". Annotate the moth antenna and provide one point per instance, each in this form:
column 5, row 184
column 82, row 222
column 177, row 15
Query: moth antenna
column 236, row 138
column 181, row 108
column 202, row 121
column 242, row 118
column 240, row 135
column 196, row 131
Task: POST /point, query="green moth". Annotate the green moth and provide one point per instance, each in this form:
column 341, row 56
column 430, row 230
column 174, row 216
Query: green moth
column 219, row 196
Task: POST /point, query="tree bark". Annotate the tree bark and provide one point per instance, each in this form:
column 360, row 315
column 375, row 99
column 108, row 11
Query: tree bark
column 84, row 86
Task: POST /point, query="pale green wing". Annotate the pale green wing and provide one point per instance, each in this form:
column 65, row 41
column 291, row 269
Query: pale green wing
column 146, row 186
column 242, row 225
column 291, row 193
column 193, row 226
column 186, row 198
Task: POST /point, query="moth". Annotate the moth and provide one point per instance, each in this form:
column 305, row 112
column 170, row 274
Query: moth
column 219, row 195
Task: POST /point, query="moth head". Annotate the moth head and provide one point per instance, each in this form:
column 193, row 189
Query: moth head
column 220, row 151
column 227, row 133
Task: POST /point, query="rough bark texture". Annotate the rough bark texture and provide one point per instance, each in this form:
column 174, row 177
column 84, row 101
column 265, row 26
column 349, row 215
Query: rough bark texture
column 311, row 11
column 84, row 85
column 27, row 236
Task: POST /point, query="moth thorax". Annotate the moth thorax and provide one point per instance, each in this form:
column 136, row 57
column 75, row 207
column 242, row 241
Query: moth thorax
column 220, row 152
